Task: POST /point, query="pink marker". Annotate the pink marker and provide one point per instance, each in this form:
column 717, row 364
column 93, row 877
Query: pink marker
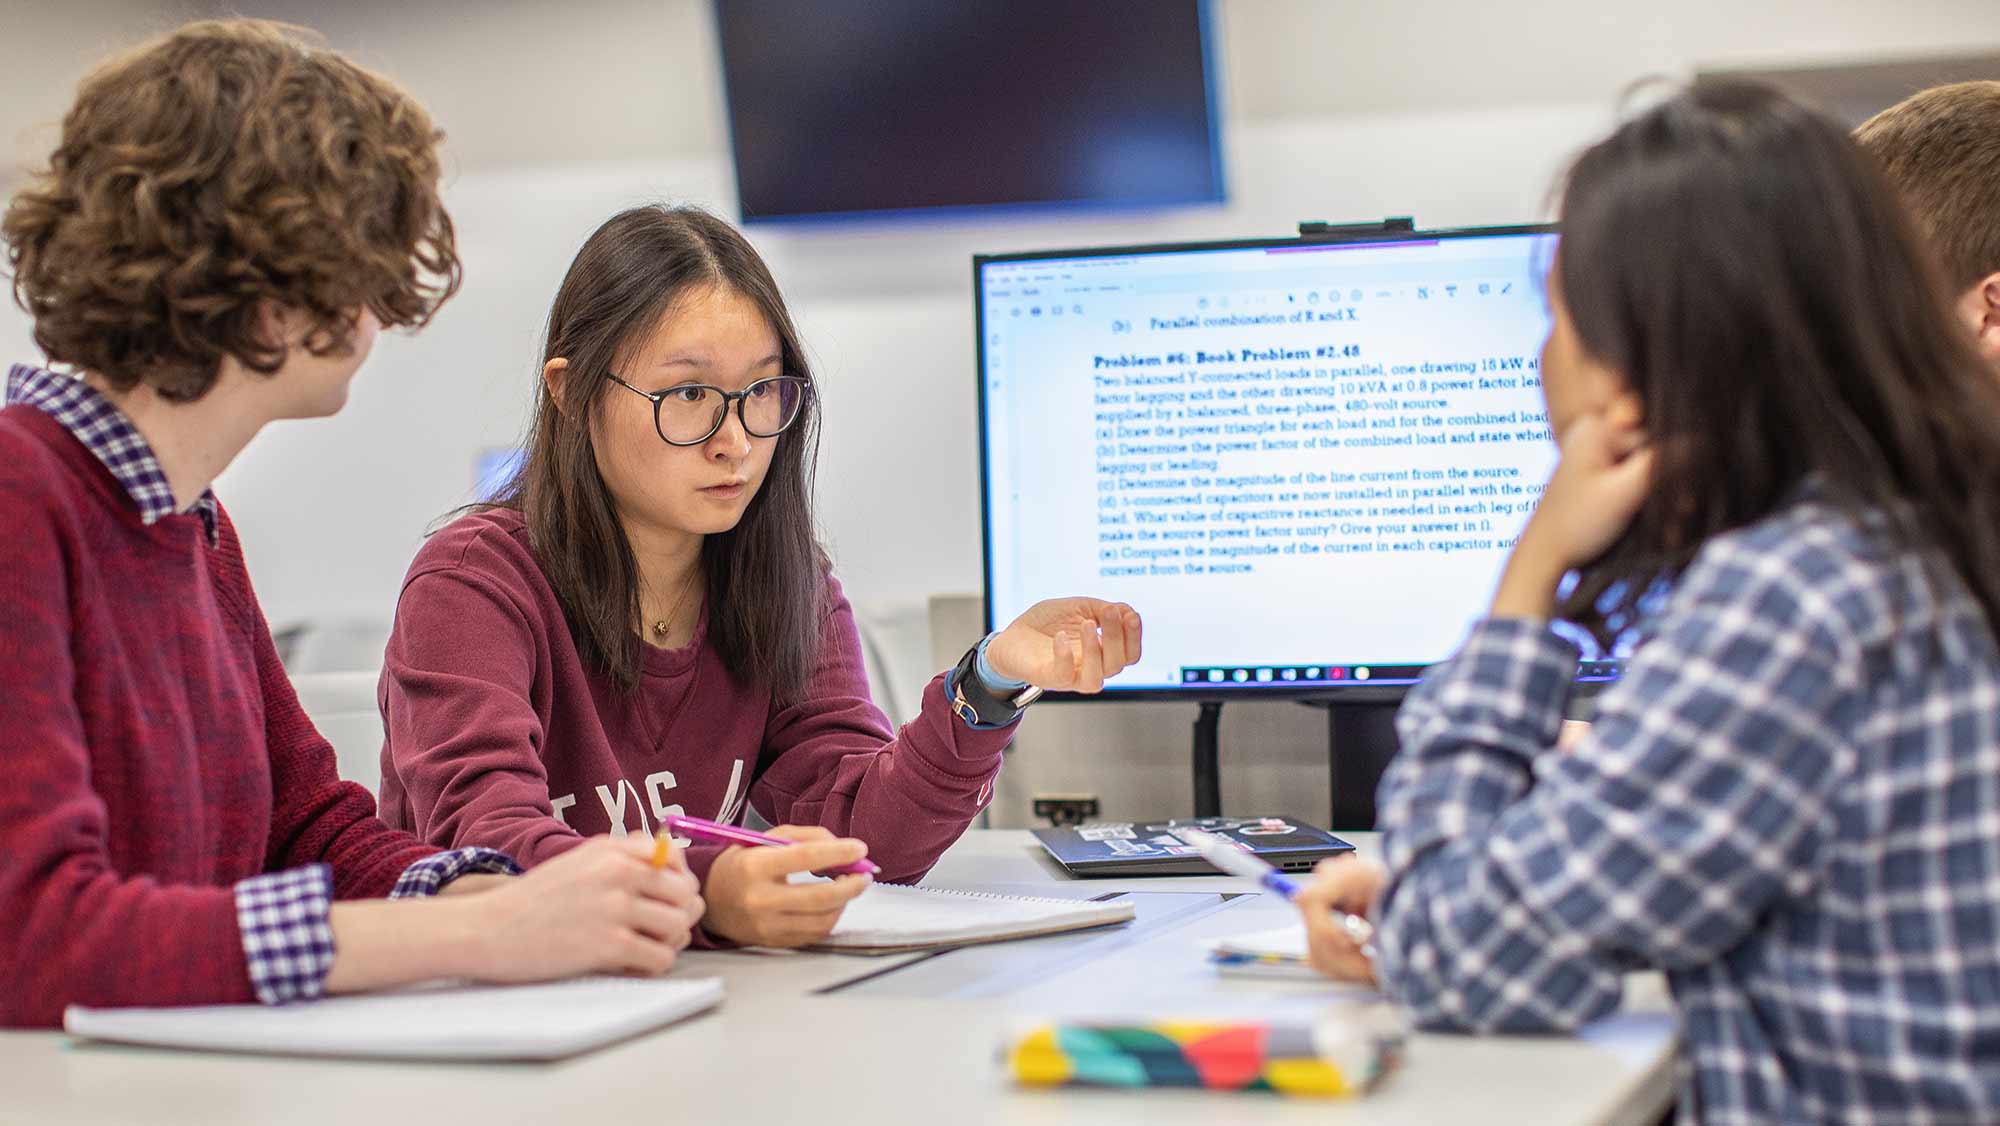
column 707, row 830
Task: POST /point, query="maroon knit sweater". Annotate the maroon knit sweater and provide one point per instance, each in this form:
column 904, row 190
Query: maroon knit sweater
column 152, row 751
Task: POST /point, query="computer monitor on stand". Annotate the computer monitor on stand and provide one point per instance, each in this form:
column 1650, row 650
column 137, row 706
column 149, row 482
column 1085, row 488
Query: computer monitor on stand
column 1303, row 459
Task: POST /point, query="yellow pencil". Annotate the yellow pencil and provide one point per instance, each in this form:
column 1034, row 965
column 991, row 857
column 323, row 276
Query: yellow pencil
column 662, row 848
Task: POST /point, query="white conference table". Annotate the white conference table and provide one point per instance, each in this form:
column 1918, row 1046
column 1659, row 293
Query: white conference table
column 830, row 1040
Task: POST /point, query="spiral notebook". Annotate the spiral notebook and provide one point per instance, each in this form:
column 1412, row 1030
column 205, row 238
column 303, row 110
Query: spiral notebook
column 895, row 919
column 433, row 1022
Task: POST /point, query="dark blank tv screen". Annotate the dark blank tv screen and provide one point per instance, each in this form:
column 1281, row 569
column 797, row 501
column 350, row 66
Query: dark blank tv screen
column 840, row 107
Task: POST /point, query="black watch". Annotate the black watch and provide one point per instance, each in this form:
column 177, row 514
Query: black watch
column 976, row 704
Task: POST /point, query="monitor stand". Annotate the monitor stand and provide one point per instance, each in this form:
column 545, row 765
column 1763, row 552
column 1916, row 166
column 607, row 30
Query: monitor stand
column 1207, row 753
column 1361, row 738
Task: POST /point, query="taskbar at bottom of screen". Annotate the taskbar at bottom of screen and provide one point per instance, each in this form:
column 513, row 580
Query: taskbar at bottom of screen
column 1192, row 676
column 1299, row 676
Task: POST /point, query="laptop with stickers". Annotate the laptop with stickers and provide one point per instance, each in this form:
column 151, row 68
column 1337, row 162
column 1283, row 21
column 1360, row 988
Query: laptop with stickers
column 1154, row 848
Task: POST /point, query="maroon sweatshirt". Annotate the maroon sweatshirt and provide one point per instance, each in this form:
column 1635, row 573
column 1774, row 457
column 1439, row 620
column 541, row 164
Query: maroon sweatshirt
column 152, row 752
column 498, row 735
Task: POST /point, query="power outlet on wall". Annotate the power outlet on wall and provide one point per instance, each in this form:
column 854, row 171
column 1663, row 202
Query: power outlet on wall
column 1062, row 810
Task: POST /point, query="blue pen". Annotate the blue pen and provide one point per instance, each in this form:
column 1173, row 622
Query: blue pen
column 1235, row 862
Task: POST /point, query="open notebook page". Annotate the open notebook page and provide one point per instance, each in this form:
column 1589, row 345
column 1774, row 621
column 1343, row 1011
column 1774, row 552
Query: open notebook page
column 889, row 918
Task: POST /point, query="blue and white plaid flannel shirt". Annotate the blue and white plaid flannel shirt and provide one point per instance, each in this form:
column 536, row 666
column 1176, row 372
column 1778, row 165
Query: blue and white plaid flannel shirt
column 1790, row 804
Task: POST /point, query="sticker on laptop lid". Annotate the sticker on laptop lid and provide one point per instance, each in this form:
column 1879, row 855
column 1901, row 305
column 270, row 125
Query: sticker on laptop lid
column 1129, row 848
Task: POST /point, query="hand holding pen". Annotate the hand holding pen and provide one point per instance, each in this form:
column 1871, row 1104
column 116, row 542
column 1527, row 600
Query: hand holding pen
column 1341, row 889
column 750, row 894
column 1339, row 936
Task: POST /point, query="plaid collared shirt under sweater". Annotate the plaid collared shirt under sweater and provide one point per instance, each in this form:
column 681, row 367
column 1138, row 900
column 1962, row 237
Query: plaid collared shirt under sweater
column 284, row 916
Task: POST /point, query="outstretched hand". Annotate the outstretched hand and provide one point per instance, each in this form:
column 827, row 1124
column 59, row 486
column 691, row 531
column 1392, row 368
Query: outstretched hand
column 1068, row 644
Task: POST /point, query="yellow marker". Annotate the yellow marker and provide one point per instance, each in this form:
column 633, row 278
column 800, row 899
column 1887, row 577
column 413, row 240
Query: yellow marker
column 663, row 847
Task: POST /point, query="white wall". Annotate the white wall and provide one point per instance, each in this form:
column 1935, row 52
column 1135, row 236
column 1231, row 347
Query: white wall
column 332, row 510
column 48, row 47
column 1452, row 111
column 1455, row 112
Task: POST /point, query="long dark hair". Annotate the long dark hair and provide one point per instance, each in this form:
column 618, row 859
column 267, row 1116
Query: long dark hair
column 765, row 578
column 1747, row 268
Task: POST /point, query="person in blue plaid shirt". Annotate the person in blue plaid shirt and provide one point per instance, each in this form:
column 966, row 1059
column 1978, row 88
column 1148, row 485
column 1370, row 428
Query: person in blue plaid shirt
column 1780, row 474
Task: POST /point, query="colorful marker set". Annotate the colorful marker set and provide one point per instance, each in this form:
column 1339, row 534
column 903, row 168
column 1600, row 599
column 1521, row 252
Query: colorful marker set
column 1342, row 1055
column 1334, row 1058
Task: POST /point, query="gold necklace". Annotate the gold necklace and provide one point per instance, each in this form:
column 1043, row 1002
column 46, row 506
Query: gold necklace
column 665, row 625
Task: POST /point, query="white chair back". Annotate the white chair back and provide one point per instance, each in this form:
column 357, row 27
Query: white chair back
column 342, row 706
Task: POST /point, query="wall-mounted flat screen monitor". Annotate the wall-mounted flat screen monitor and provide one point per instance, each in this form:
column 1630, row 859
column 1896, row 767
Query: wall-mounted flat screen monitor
column 844, row 108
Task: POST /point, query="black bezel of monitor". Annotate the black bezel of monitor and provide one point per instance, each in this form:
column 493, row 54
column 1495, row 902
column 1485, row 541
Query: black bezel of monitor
column 1206, row 22
column 1348, row 692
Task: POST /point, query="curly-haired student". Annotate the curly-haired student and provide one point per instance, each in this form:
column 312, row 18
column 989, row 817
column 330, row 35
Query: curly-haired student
column 230, row 217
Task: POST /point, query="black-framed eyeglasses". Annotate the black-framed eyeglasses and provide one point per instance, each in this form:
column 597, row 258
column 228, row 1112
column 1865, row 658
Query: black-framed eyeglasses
column 691, row 413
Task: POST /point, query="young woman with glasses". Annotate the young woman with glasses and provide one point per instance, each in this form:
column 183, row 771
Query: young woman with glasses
column 643, row 623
